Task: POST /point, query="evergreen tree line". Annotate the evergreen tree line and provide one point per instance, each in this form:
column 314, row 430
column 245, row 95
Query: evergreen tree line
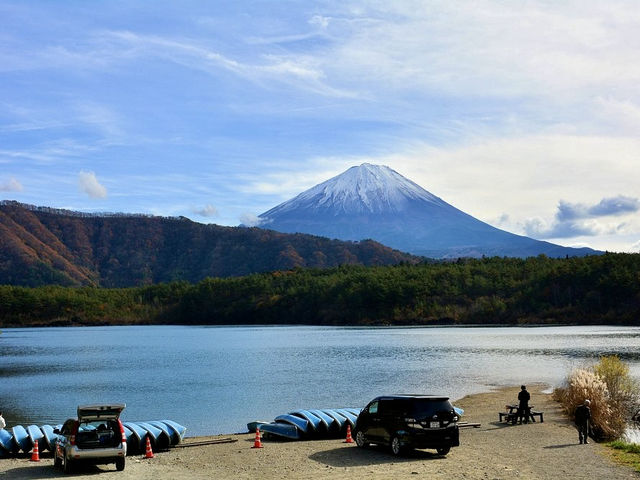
column 589, row 290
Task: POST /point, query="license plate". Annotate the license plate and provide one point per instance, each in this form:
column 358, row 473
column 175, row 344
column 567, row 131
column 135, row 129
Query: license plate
column 434, row 424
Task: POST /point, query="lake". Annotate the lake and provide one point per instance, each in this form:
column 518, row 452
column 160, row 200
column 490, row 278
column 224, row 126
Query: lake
column 216, row 379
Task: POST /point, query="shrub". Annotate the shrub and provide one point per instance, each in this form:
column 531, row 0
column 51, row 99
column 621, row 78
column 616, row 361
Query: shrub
column 623, row 390
column 584, row 384
column 612, row 391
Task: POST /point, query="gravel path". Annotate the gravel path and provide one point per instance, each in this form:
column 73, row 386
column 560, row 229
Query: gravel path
column 540, row 451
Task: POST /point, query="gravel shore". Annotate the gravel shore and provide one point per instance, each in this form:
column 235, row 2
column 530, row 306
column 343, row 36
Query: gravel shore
column 540, row 451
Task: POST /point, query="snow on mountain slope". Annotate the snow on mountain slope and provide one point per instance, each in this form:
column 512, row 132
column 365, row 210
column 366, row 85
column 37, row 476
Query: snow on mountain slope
column 376, row 202
column 367, row 188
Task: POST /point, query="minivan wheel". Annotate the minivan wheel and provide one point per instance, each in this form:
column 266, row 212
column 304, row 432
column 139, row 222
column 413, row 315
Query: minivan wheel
column 361, row 440
column 120, row 464
column 66, row 464
column 396, row 447
column 443, row 450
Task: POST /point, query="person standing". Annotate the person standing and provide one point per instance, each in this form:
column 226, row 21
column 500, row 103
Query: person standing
column 2, row 422
column 523, row 404
column 583, row 414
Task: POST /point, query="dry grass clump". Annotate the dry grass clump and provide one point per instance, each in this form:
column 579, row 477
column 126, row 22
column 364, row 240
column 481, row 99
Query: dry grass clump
column 612, row 392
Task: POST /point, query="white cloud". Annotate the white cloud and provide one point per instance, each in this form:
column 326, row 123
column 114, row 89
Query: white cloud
column 11, row 185
column 251, row 220
column 90, row 185
column 635, row 247
column 206, row 211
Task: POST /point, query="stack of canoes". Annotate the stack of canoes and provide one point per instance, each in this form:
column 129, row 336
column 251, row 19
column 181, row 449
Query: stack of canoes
column 309, row 424
column 162, row 434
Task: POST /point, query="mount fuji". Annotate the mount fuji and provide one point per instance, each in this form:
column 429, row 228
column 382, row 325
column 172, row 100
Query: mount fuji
column 375, row 202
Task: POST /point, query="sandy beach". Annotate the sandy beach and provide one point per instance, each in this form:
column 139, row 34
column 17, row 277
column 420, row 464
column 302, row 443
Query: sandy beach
column 542, row 451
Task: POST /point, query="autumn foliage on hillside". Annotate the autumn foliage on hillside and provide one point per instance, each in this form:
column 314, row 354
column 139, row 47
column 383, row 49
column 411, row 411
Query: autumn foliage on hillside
column 43, row 246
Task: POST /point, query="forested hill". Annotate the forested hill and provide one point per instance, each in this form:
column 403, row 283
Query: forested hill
column 590, row 290
column 44, row 246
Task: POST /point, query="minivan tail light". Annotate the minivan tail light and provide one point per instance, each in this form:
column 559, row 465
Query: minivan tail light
column 74, row 431
column 124, row 436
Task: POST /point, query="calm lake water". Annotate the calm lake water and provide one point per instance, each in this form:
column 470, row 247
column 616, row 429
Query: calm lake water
column 216, row 379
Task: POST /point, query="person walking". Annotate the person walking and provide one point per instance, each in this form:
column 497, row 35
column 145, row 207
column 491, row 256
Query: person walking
column 583, row 414
column 523, row 404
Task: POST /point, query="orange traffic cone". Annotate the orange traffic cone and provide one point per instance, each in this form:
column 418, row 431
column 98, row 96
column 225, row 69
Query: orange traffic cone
column 149, row 453
column 349, row 439
column 35, row 453
column 258, row 442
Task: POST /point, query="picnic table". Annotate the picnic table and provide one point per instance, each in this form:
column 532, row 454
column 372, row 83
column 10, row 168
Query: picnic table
column 510, row 414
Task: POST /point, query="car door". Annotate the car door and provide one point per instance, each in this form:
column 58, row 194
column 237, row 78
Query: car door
column 371, row 424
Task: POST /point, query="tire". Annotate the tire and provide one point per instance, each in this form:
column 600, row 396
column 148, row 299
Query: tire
column 443, row 450
column 361, row 440
column 396, row 447
column 57, row 463
column 120, row 464
column 66, row 464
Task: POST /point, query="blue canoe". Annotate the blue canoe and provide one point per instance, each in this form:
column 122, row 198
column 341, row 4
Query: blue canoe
column 21, row 439
column 181, row 430
column 164, row 439
column 252, row 426
column 351, row 418
column 340, row 419
column 6, row 440
column 328, row 420
column 154, row 433
column 284, row 430
column 313, row 420
column 49, row 438
column 36, row 435
column 139, row 433
column 301, row 423
column 131, row 438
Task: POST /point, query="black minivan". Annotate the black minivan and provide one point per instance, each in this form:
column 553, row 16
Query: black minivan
column 405, row 422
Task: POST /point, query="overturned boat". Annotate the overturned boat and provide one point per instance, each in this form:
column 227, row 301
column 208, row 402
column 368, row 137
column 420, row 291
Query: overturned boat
column 308, row 424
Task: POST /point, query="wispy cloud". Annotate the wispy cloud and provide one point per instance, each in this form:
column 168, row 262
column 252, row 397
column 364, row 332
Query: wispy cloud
column 89, row 184
column 11, row 185
column 206, row 211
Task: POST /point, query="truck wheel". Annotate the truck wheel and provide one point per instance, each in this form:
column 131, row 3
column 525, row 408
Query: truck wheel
column 120, row 464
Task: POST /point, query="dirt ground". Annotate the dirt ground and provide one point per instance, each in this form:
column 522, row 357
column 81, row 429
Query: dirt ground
column 540, row 451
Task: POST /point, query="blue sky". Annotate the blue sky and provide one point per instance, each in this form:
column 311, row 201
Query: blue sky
column 525, row 115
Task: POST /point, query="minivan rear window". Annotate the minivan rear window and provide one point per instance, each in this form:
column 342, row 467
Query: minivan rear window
column 428, row 408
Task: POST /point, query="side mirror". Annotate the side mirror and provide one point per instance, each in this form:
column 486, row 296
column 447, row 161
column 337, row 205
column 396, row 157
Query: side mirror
column 56, row 431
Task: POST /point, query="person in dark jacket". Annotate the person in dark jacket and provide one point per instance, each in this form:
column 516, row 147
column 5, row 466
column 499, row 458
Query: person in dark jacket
column 583, row 414
column 523, row 404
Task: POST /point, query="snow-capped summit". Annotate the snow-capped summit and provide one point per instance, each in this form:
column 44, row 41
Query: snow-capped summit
column 364, row 189
column 376, row 202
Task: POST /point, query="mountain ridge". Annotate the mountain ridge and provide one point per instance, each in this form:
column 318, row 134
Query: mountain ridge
column 42, row 246
column 374, row 201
